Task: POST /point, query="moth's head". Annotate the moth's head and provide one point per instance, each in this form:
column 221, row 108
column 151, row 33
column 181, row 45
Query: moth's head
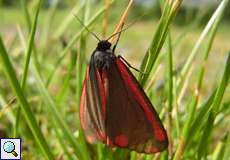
column 103, row 45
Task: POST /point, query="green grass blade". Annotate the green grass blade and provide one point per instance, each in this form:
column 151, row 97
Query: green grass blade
column 62, row 143
column 201, row 116
column 222, row 87
column 30, row 119
column 205, row 137
column 218, row 153
column 227, row 148
column 26, row 13
column 48, row 22
column 28, row 56
column 158, row 40
column 170, row 74
column 169, row 91
column 214, row 110
column 66, row 82
column 29, row 25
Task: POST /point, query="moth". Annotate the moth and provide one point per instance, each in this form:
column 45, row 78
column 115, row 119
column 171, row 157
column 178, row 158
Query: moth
column 114, row 108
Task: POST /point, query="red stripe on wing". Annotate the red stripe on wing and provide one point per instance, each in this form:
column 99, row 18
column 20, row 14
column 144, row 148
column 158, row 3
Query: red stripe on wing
column 82, row 100
column 101, row 78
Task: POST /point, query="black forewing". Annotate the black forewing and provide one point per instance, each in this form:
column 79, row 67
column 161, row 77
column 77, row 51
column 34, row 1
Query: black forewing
column 127, row 124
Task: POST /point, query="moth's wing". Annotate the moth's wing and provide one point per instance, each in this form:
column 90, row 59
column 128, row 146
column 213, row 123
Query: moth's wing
column 131, row 121
column 92, row 106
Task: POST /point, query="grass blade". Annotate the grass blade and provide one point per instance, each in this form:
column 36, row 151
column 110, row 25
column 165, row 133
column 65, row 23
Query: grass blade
column 214, row 110
column 28, row 57
column 227, row 148
column 26, row 13
column 169, row 91
column 219, row 150
column 66, row 82
column 158, row 39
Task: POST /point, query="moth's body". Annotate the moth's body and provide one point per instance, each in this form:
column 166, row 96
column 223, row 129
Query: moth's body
column 114, row 108
column 103, row 55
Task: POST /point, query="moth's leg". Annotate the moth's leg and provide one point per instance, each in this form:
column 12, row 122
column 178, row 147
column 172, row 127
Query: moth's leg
column 129, row 65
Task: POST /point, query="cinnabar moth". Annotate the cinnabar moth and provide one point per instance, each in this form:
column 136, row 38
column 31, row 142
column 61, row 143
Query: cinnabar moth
column 114, row 109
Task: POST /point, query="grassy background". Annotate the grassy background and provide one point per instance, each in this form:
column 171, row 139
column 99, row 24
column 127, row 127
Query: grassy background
column 11, row 17
column 48, row 122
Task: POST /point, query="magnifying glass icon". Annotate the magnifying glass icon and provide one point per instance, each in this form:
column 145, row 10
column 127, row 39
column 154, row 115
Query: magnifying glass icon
column 9, row 147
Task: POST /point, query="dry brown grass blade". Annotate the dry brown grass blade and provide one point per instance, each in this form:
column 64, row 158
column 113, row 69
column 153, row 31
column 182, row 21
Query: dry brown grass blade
column 122, row 21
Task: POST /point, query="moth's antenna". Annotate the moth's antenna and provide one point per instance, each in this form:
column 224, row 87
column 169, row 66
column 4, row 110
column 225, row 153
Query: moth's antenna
column 119, row 35
column 119, row 32
column 129, row 25
column 95, row 36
